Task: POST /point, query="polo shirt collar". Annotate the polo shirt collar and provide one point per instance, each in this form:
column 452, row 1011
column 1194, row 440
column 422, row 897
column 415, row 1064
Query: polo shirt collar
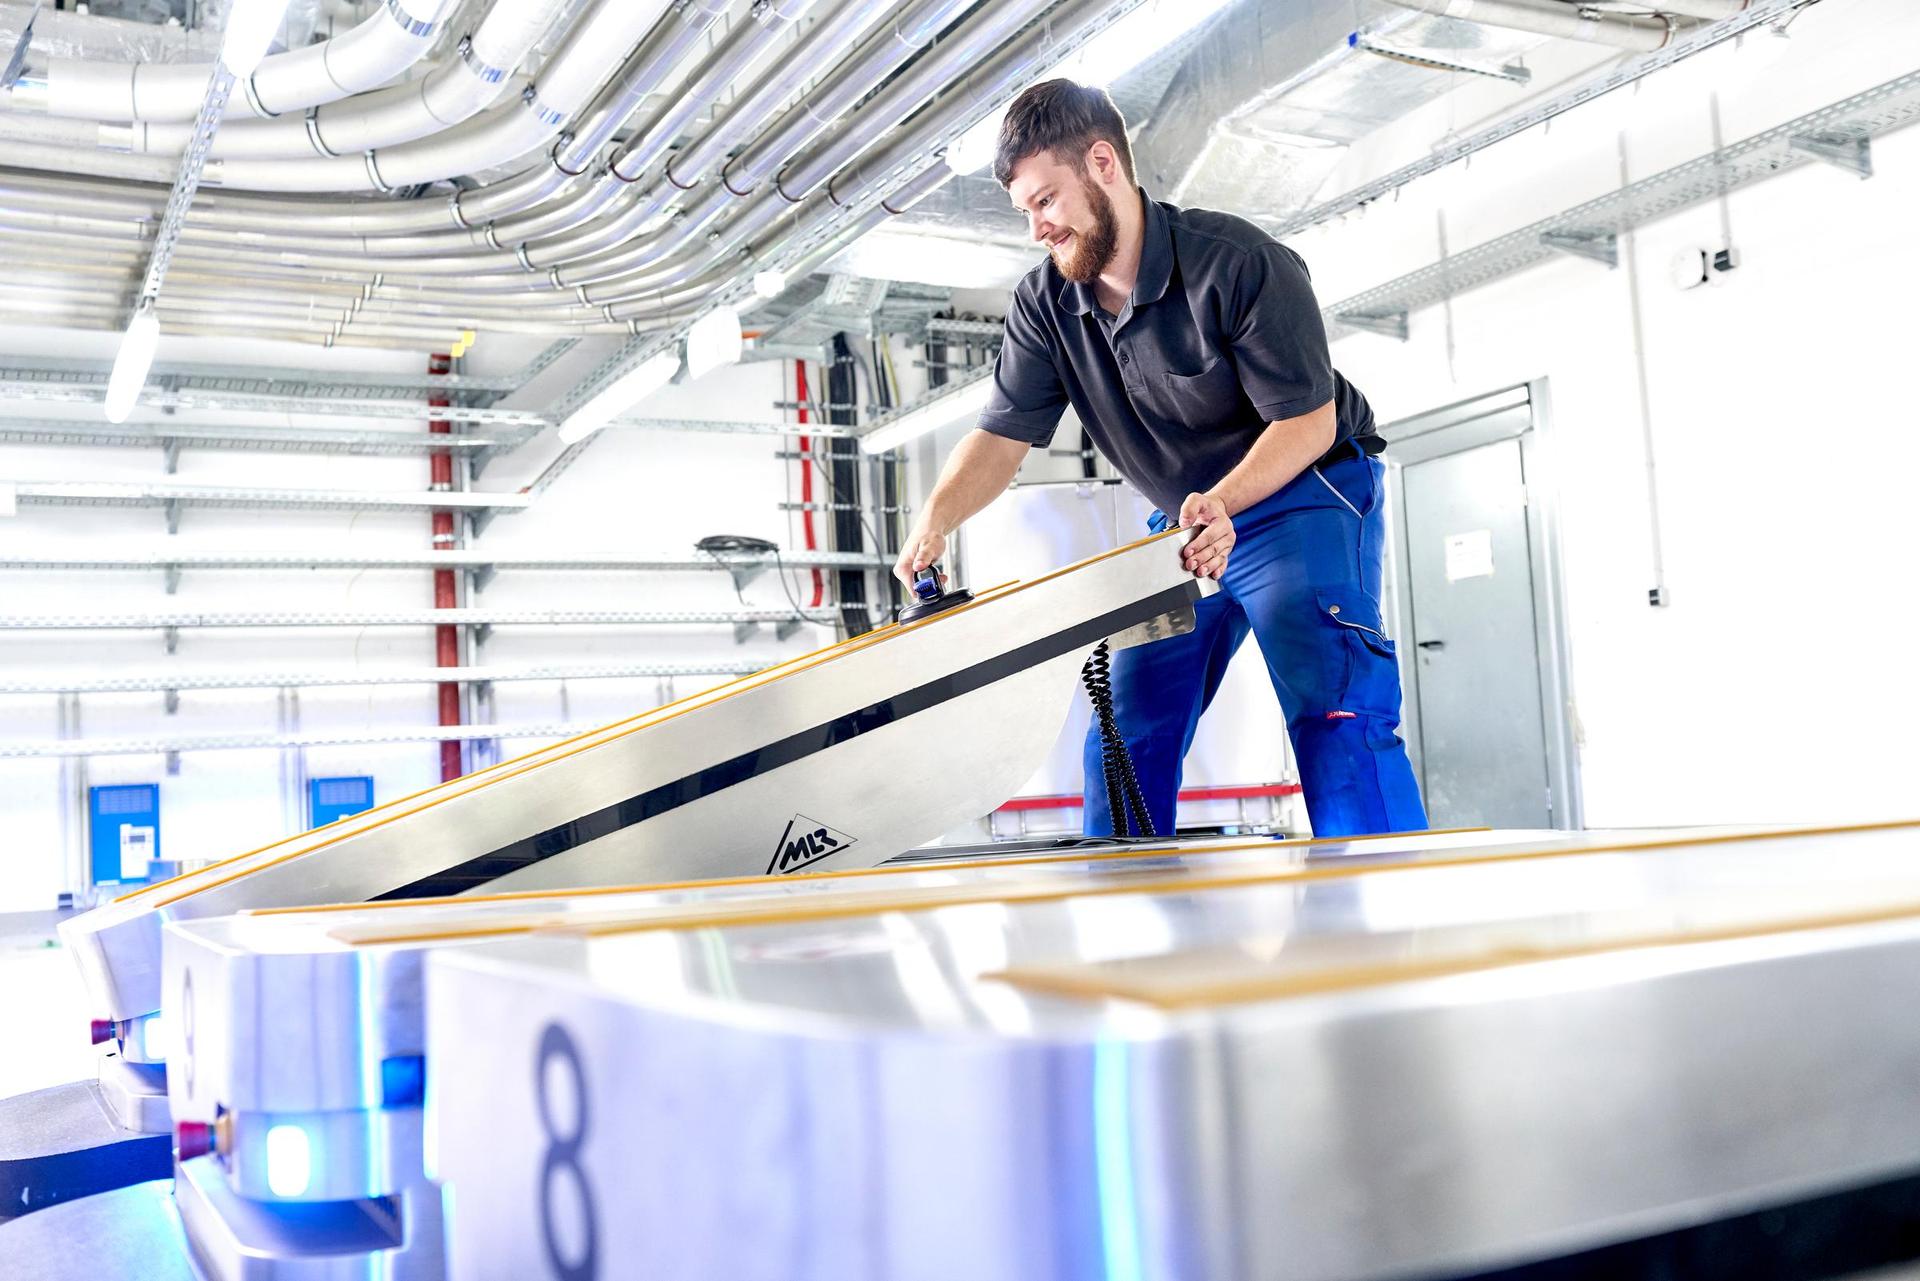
column 1156, row 265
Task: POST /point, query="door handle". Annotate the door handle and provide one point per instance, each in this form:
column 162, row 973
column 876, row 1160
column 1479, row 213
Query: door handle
column 1431, row 644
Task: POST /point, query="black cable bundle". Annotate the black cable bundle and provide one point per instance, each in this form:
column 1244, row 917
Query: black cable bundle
column 843, row 487
column 1123, row 789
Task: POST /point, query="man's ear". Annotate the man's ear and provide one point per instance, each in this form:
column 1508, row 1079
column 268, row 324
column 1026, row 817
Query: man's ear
column 1103, row 160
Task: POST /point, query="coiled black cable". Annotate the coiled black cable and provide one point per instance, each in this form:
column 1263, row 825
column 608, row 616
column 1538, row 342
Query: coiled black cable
column 1123, row 788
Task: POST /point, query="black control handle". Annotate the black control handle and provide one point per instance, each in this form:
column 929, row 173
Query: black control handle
column 1431, row 644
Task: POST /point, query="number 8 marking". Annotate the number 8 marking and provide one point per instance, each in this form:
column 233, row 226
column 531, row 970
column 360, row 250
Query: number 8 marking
column 563, row 1153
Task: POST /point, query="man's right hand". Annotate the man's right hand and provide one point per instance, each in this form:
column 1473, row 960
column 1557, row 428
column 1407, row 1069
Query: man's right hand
column 924, row 547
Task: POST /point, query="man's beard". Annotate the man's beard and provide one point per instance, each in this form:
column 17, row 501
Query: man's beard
column 1091, row 250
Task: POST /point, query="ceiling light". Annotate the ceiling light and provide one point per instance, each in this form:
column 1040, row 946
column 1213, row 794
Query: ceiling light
column 973, row 150
column 1146, row 30
column 131, row 364
column 944, row 411
column 713, row 341
column 935, row 258
column 251, row 27
column 620, row 395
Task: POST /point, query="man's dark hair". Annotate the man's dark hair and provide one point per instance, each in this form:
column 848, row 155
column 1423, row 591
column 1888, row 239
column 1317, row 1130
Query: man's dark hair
column 1063, row 119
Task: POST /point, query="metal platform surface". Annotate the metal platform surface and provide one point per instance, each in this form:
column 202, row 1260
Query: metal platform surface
column 1340, row 1072
column 313, row 1019
column 294, row 1010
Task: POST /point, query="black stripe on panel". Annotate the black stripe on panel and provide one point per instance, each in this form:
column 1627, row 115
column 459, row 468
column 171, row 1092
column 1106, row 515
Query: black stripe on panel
column 795, row 747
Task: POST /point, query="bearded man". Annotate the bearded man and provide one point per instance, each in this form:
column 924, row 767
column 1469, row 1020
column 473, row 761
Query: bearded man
column 1190, row 345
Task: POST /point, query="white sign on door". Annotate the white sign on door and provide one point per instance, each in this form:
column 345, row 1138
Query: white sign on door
column 1470, row 555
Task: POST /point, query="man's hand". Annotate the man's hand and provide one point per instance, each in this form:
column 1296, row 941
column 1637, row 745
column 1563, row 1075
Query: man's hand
column 1206, row 555
column 924, row 547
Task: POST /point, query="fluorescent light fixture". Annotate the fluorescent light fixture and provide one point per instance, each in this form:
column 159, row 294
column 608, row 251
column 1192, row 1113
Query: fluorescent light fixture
column 769, row 284
column 713, row 341
column 930, row 257
column 973, row 150
column 251, row 27
column 289, row 1161
column 620, row 395
column 1148, row 29
column 954, row 407
column 1145, row 31
column 131, row 364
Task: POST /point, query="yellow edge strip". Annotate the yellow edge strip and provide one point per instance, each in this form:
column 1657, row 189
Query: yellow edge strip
column 447, row 791
column 1273, row 987
column 371, row 936
column 892, row 869
column 758, row 913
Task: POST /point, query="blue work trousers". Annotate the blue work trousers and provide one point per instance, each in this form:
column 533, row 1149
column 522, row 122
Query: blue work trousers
column 1304, row 578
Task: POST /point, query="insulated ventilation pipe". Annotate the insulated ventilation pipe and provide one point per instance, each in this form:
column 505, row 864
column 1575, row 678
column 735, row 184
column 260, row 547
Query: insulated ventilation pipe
column 450, row 93
column 381, row 48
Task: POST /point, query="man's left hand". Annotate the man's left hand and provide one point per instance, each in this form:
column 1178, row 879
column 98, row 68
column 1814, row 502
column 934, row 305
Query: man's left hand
column 1206, row 555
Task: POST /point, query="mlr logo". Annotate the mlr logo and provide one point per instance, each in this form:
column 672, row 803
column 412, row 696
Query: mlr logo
column 805, row 841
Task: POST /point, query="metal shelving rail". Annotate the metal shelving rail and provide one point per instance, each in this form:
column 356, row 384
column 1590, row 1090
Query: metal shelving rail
column 269, row 438
column 161, row 682
column 482, row 565
column 174, row 498
column 264, row 380
column 480, row 448
column 27, row 749
column 1839, row 134
column 784, row 621
column 40, row 392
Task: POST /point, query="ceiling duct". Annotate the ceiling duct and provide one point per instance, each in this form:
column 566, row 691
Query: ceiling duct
column 61, row 33
column 1267, row 103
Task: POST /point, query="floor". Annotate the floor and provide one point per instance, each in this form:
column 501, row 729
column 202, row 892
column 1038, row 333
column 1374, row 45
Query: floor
column 43, row 1007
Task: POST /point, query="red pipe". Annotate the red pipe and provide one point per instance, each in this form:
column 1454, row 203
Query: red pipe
column 806, row 477
column 446, row 595
column 1245, row 793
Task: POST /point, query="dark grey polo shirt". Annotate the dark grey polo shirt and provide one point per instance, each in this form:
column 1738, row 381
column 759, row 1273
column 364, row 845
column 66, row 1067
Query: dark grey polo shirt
column 1221, row 337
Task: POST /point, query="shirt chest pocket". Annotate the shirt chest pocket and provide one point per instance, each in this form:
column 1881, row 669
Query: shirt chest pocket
column 1201, row 401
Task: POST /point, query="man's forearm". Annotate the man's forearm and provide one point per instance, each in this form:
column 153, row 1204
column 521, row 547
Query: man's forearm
column 1285, row 449
column 979, row 471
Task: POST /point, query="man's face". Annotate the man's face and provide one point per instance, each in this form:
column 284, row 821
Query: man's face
column 1068, row 212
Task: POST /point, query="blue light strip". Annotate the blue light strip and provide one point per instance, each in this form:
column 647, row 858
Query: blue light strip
column 1113, row 1162
column 372, row 1078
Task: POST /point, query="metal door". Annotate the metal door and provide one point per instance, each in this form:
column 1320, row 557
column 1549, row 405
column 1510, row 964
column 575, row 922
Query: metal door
column 1482, row 751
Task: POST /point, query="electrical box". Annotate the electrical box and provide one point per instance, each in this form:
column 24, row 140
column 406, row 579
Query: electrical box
column 124, row 826
column 334, row 798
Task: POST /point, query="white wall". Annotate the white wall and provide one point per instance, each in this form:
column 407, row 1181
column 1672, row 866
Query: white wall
column 640, row 493
column 1775, row 686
